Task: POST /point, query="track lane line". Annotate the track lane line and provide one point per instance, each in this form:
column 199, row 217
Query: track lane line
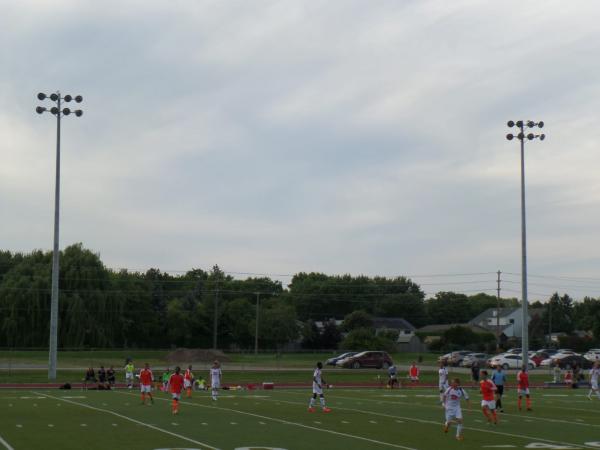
column 107, row 411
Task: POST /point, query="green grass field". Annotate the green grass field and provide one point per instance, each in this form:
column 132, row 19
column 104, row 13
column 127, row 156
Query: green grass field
column 361, row 419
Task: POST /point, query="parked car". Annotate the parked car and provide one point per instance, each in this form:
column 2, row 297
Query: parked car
column 377, row 360
column 455, row 358
column 514, row 351
column 335, row 359
column 509, row 361
column 480, row 358
column 538, row 357
column 593, row 354
column 567, row 362
column 548, row 351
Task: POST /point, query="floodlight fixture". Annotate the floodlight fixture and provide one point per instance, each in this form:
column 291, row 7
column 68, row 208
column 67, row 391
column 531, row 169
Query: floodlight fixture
column 510, row 124
column 41, row 96
column 79, row 99
column 68, row 98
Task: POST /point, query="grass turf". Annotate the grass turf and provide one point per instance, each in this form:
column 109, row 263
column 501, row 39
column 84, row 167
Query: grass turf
column 361, row 419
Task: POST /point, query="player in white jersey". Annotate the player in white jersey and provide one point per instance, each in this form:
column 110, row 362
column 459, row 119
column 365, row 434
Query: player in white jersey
column 451, row 399
column 442, row 380
column 317, row 389
column 215, row 379
column 594, row 375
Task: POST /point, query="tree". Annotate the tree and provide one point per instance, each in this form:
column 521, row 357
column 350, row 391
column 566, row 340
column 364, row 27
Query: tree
column 278, row 325
column 559, row 313
column 357, row 319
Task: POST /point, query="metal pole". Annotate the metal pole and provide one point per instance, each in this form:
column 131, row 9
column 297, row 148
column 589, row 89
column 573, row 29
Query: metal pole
column 53, row 345
column 525, row 325
column 256, row 329
column 216, row 317
column 498, row 315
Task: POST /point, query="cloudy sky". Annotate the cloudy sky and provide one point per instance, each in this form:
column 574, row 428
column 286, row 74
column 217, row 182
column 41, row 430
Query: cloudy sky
column 362, row 137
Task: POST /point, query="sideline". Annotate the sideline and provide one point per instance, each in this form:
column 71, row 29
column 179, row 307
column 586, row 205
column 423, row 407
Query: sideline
column 6, row 444
column 62, row 399
column 287, row 422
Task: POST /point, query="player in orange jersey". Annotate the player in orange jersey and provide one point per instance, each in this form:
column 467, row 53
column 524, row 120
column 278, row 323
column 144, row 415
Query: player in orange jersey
column 523, row 388
column 188, row 381
column 146, row 379
column 175, row 388
column 488, row 402
column 413, row 372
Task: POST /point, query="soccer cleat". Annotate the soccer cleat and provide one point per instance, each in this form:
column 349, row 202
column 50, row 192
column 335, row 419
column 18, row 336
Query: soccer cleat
column 326, row 409
column 460, row 437
column 446, row 427
column 311, row 410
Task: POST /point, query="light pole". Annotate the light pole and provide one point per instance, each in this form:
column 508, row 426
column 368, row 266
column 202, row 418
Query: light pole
column 521, row 136
column 256, row 325
column 56, row 110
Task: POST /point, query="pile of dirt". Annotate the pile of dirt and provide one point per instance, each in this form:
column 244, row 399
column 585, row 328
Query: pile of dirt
column 190, row 355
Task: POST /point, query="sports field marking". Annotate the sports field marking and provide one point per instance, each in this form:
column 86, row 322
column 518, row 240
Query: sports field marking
column 287, row 422
column 6, row 444
column 185, row 438
column 437, row 423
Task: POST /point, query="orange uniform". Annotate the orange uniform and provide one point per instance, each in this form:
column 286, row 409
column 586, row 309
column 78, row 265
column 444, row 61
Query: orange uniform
column 176, row 383
column 487, row 388
column 146, row 377
column 188, row 375
column 523, row 380
column 414, row 372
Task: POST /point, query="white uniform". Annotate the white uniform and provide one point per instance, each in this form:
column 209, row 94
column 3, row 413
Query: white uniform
column 452, row 399
column 443, row 379
column 594, row 375
column 317, row 382
column 215, row 378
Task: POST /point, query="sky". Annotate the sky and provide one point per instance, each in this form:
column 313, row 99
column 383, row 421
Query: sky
column 269, row 137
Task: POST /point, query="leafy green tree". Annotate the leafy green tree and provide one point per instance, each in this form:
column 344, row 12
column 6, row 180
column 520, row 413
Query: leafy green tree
column 357, row 319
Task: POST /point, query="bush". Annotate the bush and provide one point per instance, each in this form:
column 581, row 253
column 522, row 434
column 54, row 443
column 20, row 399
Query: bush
column 362, row 339
column 463, row 338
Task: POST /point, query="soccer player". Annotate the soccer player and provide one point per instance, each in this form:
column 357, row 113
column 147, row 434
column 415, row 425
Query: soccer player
column 165, row 379
column 413, row 372
column 110, row 376
column 188, row 381
column 488, row 404
column 442, row 380
column 146, row 379
column 594, row 374
column 393, row 376
column 317, row 388
column 215, row 379
column 451, row 401
column 523, row 388
column 499, row 378
column 129, row 369
column 175, row 388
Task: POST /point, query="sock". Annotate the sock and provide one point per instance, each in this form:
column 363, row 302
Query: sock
column 189, row 392
column 441, row 398
column 311, row 403
column 322, row 400
column 590, row 393
column 495, row 417
column 143, row 398
column 528, row 402
column 174, row 405
column 486, row 414
column 458, row 429
column 519, row 402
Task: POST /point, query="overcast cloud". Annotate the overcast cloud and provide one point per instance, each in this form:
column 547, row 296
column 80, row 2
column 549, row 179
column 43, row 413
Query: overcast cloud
column 284, row 136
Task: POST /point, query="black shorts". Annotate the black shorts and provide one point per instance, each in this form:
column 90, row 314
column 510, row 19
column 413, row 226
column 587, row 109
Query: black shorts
column 500, row 390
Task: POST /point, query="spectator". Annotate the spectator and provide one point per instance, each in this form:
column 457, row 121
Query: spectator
column 569, row 379
column 556, row 372
column 393, row 376
column 90, row 377
column 413, row 373
column 102, row 375
column 576, row 376
column 110, row 376
column 475, row 371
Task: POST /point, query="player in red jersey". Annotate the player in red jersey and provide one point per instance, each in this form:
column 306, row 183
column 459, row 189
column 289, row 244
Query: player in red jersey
column 188, row 381
column 488, row 402
column 523, row 388
column 146, row 379
column 175, row 388
column 413, row 372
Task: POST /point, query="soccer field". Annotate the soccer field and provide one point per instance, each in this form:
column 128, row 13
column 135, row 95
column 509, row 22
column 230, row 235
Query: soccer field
column 361, row 419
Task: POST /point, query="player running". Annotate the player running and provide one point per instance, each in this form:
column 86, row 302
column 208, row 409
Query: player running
column 146, row 379
column 442, row 380
column 129, row 370
column 188, row 381
column 175, row 388
column 317, row 388
column 499, row 378
column 451, row 401
column 413, row 372
column 215, row 379
column 594, row 374
column 488, row 404
column 523, row 388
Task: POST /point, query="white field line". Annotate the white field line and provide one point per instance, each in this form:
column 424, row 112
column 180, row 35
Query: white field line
column 287, row 422
column 132, row 420
column 545, row 419
column 432, row 422
column 6, row 444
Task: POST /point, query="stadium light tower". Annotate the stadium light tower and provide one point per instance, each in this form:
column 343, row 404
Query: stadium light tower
column 521, row 136
column 58, row 112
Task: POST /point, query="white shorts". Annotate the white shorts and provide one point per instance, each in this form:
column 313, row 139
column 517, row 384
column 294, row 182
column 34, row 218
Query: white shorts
column 175, row 395
column 443, row 386
column 491, row 404
column 453, row 413
column 187, row 383
column 128, row 376
column 594, row 385
column 146, row 388
column 215, row 385
column 317, row 390
column 414, row 378
column 523, row 391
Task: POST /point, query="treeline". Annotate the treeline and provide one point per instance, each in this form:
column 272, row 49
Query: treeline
column 100, row 307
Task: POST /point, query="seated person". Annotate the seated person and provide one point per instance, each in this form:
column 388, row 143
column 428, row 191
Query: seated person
column 200, row 384
column 102, row 375
column 110, row 376
column 569, row 379
column 90, row 376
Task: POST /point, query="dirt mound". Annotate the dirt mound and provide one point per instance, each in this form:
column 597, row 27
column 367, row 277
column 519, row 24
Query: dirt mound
column 189, row 355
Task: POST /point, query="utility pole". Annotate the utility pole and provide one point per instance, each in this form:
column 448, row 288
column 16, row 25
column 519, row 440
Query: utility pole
column 550, row 321
column 216, row 316
column 256, row 329
column 498, row 314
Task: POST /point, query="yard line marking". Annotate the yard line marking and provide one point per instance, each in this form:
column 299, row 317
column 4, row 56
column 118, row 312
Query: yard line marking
column 50, row 425
column 6, row 444
column 261, row 423
column 287, row 422
column 19, row 425
column 372, row 421
column 84, row 425
column 520, row 436
column 185, row 438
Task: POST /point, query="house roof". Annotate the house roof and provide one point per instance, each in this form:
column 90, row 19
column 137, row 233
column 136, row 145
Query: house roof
column 489, row 313
column 440, row 328
column 392, row 323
